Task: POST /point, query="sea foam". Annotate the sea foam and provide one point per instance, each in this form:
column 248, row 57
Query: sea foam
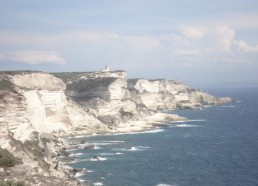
column 188, row 121
column 185, row 125
column 77, row 154
column 79, row 174
column 149, row 131
column 98, row 184
column 228, row 106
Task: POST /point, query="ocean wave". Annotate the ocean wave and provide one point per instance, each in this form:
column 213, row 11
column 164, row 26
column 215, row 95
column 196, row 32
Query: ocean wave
column 77, row 154
column 74, row 161
column 79, row 174
column 81, row 180
column 119, row 153
column 83, row 146
column 188, row 121
column 97, row 159
column 80, row 136
column 110, row 154
column 134, row 148
column 154, row 131
column 98, row 184
column 163, row 184
column 207, row 106
column 69, row 150
column 117, row 141
column 149, row 131
column 228, row 106
column 143, row 147
column 102, row 143
column 90, row 171
column 96, row 147
column 107, row 154
column 185, row 125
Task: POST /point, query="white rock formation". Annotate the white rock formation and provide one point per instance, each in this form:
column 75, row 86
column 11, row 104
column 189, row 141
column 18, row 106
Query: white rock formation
column 36, row 105
column 167, row 94
column 36, row 80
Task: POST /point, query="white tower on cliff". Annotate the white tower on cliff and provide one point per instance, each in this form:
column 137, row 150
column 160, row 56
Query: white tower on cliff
column 106, row 69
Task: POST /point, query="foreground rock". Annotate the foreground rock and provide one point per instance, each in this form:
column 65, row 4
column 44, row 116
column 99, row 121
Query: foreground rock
column 38, row 108
column 23, row 174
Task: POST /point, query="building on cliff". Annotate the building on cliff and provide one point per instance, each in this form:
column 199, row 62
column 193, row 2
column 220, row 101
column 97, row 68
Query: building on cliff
column 106, row 69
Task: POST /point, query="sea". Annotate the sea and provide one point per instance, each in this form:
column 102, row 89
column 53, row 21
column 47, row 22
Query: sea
column 218, row 146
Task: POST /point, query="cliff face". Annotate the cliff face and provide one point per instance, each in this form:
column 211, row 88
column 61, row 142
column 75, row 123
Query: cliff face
column 36, row 108
column 84, row 103
column 103, row 94
column 32, row 110
column 44, row 106
column 115, row 101
column 35, row 81
column 168, row 94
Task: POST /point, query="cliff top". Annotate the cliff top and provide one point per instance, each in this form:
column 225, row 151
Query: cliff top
column 74, row 76
column 20, row 72
column 30, row 80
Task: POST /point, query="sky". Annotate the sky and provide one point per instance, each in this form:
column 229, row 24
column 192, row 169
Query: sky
column 201, row 42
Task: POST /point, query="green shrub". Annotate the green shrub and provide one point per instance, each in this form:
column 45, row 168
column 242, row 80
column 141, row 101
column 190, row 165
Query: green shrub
column 86, row 85
column 7, row 159
column 6, row 85
column 12, row 183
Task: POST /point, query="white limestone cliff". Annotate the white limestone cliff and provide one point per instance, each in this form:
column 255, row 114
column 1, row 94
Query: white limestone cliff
column 31, row 105
column 36, row 108
column 168, row 94
column 36, row 80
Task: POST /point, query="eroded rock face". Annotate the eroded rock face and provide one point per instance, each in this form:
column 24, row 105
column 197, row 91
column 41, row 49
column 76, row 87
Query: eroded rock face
column 103, row 94
column 41, row 154
column 87, row 102
column 35, row 81
column 21, row 133
column 36, row 108
column 168, row 94
column 12, row 111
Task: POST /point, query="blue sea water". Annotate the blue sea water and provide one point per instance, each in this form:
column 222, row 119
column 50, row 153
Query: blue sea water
column 218, row 147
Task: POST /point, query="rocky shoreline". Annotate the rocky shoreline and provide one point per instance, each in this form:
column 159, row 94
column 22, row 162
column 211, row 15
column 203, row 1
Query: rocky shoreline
column 37, row 109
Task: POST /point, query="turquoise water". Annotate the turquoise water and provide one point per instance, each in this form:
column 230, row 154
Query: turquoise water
column 218, row 147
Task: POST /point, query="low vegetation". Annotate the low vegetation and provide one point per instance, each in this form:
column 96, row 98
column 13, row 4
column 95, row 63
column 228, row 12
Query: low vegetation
column 86, row 85
column 7, row 159
column 6, row 85
column 12, row 183
column 19, row 72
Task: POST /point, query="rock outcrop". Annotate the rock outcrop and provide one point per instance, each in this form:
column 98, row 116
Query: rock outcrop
column 31, row 112
column 104, row 95
column 168, row 94
column 37, row 108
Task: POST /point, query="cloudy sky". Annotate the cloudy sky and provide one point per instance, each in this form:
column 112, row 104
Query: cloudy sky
column 200, row 42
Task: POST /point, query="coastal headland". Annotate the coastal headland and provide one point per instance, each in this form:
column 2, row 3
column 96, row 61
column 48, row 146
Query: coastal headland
column 37, row 109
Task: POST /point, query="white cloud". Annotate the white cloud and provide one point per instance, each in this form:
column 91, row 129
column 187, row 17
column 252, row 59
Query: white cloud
column 211, row 44
column 193, row 32
column 217, row 37
column 31, row 57
column 189, row 44
column 242, row 45
column 97, row 38
column 241, row 20
column 142, row 42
